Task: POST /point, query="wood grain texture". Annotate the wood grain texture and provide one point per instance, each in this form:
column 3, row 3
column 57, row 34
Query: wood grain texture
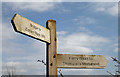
column 52, row 49
column 81, row 61
column 27, row 27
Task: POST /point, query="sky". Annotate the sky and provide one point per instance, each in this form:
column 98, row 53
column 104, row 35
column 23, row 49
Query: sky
column 89, row 28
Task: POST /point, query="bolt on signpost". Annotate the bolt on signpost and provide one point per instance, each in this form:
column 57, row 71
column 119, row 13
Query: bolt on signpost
column 48, row 35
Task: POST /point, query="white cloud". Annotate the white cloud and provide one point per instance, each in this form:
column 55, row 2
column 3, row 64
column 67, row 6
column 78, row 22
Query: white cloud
column 17, row 51
column 113, row 10
column 31, row 0
column 7, row 32
column 0, row 45
column 9, row 47
column 116, row 50
column 24, row 68
column 35, row 6
column 60, row 0
column 108, row 58
column 116, row 44
column 116, row 47
column 100, row 9
column 84, row 29
column 33, row 51
column 77, row 71
column 10, row 67
column 55, row 7
column 36, row 44
column 62, row 33
column 80, row 43
column 1, row 67
column 98, row 49
column 72, row 43
column 110, row 8
column 84, row 20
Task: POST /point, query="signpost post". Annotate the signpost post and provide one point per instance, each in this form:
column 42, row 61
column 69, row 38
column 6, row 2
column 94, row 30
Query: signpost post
column 52, row 49
column 54, row 60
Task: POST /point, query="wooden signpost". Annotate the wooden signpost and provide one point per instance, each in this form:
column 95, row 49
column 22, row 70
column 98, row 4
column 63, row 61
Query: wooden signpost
column 52, row 49
column 54, row 60
column 81, row 61
column 27, row 27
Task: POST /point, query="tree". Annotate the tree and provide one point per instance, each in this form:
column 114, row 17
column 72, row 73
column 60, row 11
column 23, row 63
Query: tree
column 117, row 73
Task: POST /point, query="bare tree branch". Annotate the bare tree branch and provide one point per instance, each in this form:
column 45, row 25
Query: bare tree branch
column 45, row 64
column 41, row 62
column 117, row 65
column 110, row 73
column 118, row 71
column 114, row 59
column 60, row 73
column 10, row 70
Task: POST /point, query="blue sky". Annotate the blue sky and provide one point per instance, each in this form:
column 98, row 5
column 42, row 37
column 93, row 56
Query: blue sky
column 82, row 28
